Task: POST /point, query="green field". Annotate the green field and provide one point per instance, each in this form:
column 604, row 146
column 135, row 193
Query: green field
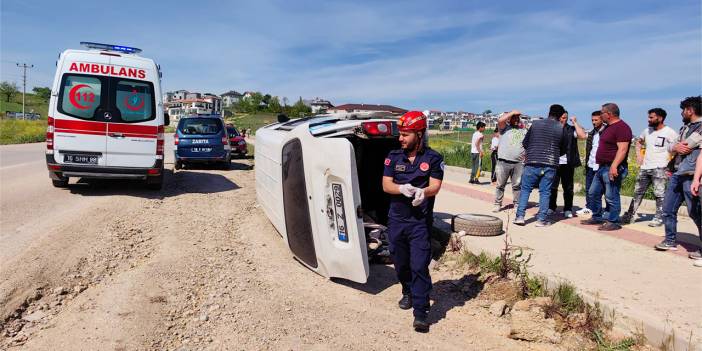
column 251, row 122
column 32, row 104
column 20, row 131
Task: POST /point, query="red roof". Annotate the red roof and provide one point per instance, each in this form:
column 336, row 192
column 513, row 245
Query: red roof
column 370, row 107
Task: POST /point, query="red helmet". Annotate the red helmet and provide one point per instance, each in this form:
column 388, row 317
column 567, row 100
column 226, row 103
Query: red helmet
column 412, row 121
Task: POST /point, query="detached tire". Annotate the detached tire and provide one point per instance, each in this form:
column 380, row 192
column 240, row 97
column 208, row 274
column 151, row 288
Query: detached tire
column 477, row 224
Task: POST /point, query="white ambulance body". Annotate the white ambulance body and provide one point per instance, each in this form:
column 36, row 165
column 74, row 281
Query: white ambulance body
column 106, row 116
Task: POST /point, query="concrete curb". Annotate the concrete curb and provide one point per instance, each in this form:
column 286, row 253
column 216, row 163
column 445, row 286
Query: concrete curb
column 655, row 331
column 646, row 205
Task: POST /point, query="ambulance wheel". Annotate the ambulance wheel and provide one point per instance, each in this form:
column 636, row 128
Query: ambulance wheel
column 61, row 183
column 178, row 165
column 477, row 224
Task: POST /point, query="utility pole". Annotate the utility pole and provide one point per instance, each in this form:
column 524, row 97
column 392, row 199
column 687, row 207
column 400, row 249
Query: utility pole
column 24, row 66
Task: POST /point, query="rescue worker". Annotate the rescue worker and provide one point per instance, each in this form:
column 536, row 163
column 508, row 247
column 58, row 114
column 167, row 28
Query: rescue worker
column 412, row 177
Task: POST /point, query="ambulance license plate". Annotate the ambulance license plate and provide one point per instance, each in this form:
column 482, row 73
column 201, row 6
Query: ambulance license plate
column 81, row 159
column 201, row 149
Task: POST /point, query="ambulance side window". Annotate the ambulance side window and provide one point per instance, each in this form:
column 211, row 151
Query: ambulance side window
column 80, row 96
column 134, row 100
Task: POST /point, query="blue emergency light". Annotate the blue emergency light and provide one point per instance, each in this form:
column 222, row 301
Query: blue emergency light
column 110, row 47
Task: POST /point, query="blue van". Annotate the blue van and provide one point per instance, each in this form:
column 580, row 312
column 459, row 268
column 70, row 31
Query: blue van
column 202, row 139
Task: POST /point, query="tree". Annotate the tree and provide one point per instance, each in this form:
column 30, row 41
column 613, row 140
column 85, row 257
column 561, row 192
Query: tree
column 8, row 90
column 299, row 109
column 43, row 93
column 285, row 102
column 487, row 112
column 274, row 105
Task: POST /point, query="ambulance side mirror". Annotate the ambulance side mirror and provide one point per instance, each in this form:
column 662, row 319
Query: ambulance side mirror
column 166, row 119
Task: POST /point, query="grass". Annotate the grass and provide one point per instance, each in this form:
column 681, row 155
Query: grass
column 251, row 122
column 18, row 131
column 607, row 345
column 455, row 148
column 32, row 104
column 14, row 131
column 566, row 300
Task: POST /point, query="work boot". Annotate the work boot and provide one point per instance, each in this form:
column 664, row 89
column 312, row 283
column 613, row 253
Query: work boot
column 420, row 325
column 405, row 302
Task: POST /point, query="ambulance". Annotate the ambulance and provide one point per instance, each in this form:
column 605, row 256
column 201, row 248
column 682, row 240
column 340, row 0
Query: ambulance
column 106, row 117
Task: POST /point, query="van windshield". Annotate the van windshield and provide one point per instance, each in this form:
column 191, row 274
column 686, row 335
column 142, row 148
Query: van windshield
column 201, row 126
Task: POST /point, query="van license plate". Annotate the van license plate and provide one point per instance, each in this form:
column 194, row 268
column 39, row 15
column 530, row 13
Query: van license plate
column 201, row 149
column 82, row 159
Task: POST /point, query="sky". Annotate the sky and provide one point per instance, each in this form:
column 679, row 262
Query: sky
column 463, row 55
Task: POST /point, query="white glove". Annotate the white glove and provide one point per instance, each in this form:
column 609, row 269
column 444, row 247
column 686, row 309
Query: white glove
column 418, row 197
column 407, row 190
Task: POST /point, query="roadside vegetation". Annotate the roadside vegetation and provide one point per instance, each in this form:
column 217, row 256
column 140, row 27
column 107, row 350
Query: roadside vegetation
column 507, row 278
column 251, row 121
column 18, row 131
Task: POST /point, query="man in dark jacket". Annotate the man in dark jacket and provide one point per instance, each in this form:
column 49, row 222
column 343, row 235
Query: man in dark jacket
column 591, row 145
column 567, row 164
column 543, row 143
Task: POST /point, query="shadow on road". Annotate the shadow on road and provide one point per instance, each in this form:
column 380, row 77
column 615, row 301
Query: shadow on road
column 181, row 182
column 449, row 294
column 380, row 278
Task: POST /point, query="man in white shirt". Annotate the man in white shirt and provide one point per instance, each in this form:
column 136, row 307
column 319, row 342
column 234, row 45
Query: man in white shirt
column 476, row 151
column 655, row 141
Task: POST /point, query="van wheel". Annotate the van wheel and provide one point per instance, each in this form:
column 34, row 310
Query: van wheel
column 61, row 183
column 178, row 165
column 477, row 224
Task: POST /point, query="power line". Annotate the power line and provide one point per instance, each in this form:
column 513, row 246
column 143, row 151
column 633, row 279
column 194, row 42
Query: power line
column 24, row 66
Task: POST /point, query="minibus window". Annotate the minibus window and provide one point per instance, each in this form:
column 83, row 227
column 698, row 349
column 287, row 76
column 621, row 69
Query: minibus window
column 80, row 96
column 134, row 100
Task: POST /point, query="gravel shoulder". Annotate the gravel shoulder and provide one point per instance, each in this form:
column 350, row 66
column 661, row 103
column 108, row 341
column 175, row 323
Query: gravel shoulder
column 199, row 266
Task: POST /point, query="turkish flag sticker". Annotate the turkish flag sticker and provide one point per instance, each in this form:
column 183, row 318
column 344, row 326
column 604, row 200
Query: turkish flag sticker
column 387, row 161
column 424, row 166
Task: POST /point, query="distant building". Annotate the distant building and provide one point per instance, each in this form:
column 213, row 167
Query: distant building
column 230, row 98
column 366, row 108
column 193, row 96
column 174, row 95
column 190, row 107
